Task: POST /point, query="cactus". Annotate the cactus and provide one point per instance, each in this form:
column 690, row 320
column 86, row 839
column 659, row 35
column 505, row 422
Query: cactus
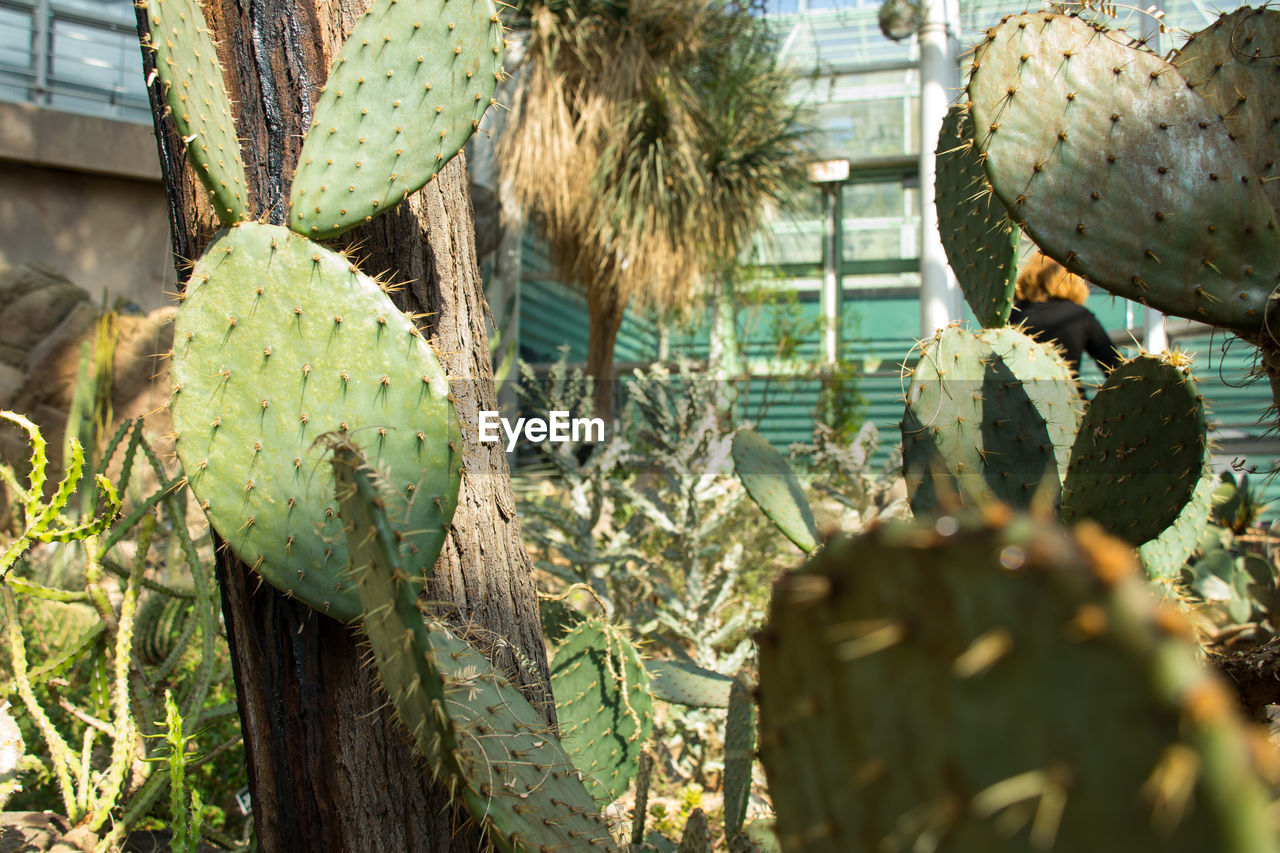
column 1231, row 64
column 697, row 835
column 1140, row 450
column 42, row 519
column 474, row 728
column 980, row 240
column 772, row 484
column 187, row 64
column 604, row 705
column 686, row 683
column 279, row 341
column 1040, row 700
column 987, row 415
column 1164, row 556
column 1081, row 130
column 739, row 755
column 406, row 90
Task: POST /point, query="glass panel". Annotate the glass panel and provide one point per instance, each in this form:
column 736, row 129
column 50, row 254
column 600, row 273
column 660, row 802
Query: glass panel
column 880, row 222
column 793, row 236
column 15, row 54
column 870, row 114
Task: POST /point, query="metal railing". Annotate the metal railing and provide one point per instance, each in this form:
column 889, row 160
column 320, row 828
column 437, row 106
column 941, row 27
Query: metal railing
column 75, row 56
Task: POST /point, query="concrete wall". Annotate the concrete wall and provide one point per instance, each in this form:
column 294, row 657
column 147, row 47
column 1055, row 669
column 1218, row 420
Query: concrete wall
column 82, row 195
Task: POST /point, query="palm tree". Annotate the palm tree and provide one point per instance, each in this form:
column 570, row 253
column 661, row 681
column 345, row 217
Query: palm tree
column 647, row 140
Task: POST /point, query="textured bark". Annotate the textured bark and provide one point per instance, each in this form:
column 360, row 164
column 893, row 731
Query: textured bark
column 605, row 310
column 328, row 767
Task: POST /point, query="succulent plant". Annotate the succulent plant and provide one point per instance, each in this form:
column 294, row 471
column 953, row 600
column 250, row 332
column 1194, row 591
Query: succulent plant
column 187, row 64
column 988, row 415
column 279, row 341
column 1141, row 449
column 980, row 240
column 995, row 684
column 772, row 484
column 1080, row 128
column 604, row 705
column 406, row 90
column 42, row 519
column 470, row 723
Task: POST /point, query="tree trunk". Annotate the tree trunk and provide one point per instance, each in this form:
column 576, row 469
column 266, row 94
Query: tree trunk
column 605, row 309
column 329, row 769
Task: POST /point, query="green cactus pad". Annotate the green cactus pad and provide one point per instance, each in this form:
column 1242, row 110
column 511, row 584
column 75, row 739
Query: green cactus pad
column 474, row 728
column 772, row 484
column 998, row 686
column 1232, row 65
column 696, row 837
column 1121, row 172
column 988, row 416
column 278, row 342
column 187, row 63
column 1140, row 450
column 1164, row 556
column 405, row 92
column 684, row 683
column 739, row 755
column 980, row 240
column 603, row 703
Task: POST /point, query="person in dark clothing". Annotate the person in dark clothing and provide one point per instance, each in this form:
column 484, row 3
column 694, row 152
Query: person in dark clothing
column 1049, row 306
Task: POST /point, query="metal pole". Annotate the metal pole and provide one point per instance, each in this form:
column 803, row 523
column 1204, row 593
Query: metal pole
column 832, row 297
column 939, row 294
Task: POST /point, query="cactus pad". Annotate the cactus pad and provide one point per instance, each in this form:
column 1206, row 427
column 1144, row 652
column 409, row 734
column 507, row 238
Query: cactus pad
column 1164, row 556
column 278, row 342
column 685, row 683
column 980, row 240
column 1140, row 451
column 405, row 92
column 739, row 755
column 1121, row 172
column 997, row 686
column 603, row 703
column 772, row 484
column 987, row 416
column 187, row 63
column 1232, row 64
column 477, row 732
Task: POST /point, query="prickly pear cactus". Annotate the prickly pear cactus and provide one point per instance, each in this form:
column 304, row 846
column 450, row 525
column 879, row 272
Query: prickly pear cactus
column 187, row 64
column 1164, row 556
column 1140, row 450
column 1232, row 65
column 980, row 240
column 685, row 683
column 406, row 90
column 990, row 415
column 772, row 484
column 1119, row 169
column 739, row 755
column 697, row 835
column 995, row 685
column 278, row 342
column 603, row 704
column 471, row 724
